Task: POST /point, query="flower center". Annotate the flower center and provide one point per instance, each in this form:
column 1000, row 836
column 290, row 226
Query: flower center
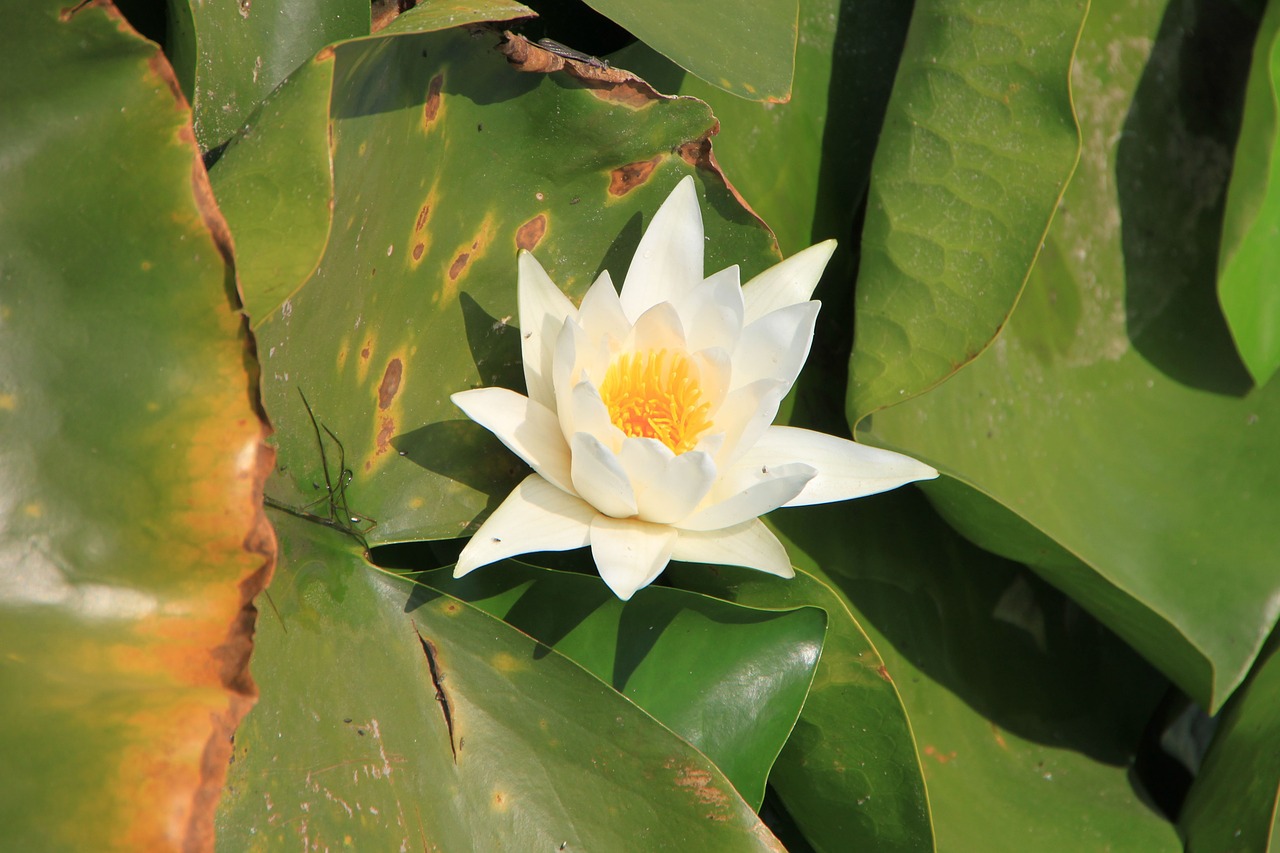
column 655, row 394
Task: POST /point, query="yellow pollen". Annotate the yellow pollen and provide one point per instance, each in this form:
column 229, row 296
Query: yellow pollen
column 655, row 394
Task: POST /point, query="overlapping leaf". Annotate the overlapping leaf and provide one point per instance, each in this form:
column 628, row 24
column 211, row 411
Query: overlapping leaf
column 1112, row 413
column 749, row 52
column 447, row 160
column 406, row 718
column 1249, row 259
column 1025, row 711
column 977, row 146
column 131, row 454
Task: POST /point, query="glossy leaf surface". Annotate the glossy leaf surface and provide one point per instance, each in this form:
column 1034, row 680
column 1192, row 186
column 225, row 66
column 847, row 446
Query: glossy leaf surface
column 1249, row 259
column 351, row 738
column 1233, row 805
column 730, row 680
column 1112, row 414
column 131, row 455
column 414, row 297
column 747, row 51
column 978, row 143
column 1025, row 711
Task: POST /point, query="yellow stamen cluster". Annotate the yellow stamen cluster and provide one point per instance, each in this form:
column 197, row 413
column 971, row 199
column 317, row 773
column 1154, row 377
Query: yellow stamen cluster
column 655, row 394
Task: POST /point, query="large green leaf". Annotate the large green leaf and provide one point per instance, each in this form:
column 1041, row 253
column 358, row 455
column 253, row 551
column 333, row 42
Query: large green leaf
column 1234, row 805
column 849, row 776
column 729, row 680
column 1025, row 710
column 747, row 50
column 1249, row 259
column 977, row 146
column 393, row 719
column 231, row 54
column 447, row 159
column 131, row 454
column 1111, row 414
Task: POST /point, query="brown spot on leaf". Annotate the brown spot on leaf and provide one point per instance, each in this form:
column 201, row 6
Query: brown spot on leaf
column 326, row 54
column 610, row 84
column 432, row 107
column 459, row 264
column 699, row 783
column 418, row 249
column 364, row 353
column 390, row 383
column 423, row 213
column 938, row 756
column 530, row 233
column 883, row 672
column 624, row 179
column 385, row 432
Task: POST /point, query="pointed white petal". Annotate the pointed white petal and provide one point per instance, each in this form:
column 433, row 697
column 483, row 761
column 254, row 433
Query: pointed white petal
column 536, row 516
column 775, row 346
column 629, row 554
column 846, row 469
column 667, row 487
column 749, row 544
column 591, row 416
column 787, row 283
column 529, row 429
column 753, row 494
column 600, row 313
column 668, row 260
column 543, row 309
column 712, row 312
column 715, row 371
column 657, row 328
column 598, row 476
column 744, row 416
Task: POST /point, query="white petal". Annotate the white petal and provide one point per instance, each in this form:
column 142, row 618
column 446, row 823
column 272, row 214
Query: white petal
column 658, row 328
column 712, row 313
column 600, row 313
column 846, row 469
column 629, row 554
column 750, row 496
column 715, row 371
column 543, row 309
column 598, row 476
column 667, row 486
column 787, row 283
column 528, row 428
column 590, row 415
column 575, row 357
column 668, row 261
column 744, row 417
column 775, row 346
column 536, row 516
column 749, row 544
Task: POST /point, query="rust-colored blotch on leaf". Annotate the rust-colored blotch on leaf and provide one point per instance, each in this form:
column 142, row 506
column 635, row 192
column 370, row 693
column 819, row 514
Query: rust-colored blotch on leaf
column 390, row 383
column 432, row 106
column 459, row 264
column 624, row 179
column 530, row 234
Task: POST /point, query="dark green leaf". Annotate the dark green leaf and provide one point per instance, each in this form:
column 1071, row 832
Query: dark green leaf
column 351, row 742
column 1249, row 259
column 1111, row 415
column 730, row 680
column 977, row 146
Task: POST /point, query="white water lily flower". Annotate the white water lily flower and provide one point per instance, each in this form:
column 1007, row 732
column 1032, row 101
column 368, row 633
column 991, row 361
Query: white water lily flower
column 648, row 420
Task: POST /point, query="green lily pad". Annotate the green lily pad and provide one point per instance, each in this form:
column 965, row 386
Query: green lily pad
column 1232, row 807
column 394, row 716
column 749, row 52
column 978, row 143
column 730, row 680
column 131, row 534
column 1112, row 418
column 231, row 55
column 849, row 776
column 446, row 161
column 1025, row 710
column 1249, row 259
